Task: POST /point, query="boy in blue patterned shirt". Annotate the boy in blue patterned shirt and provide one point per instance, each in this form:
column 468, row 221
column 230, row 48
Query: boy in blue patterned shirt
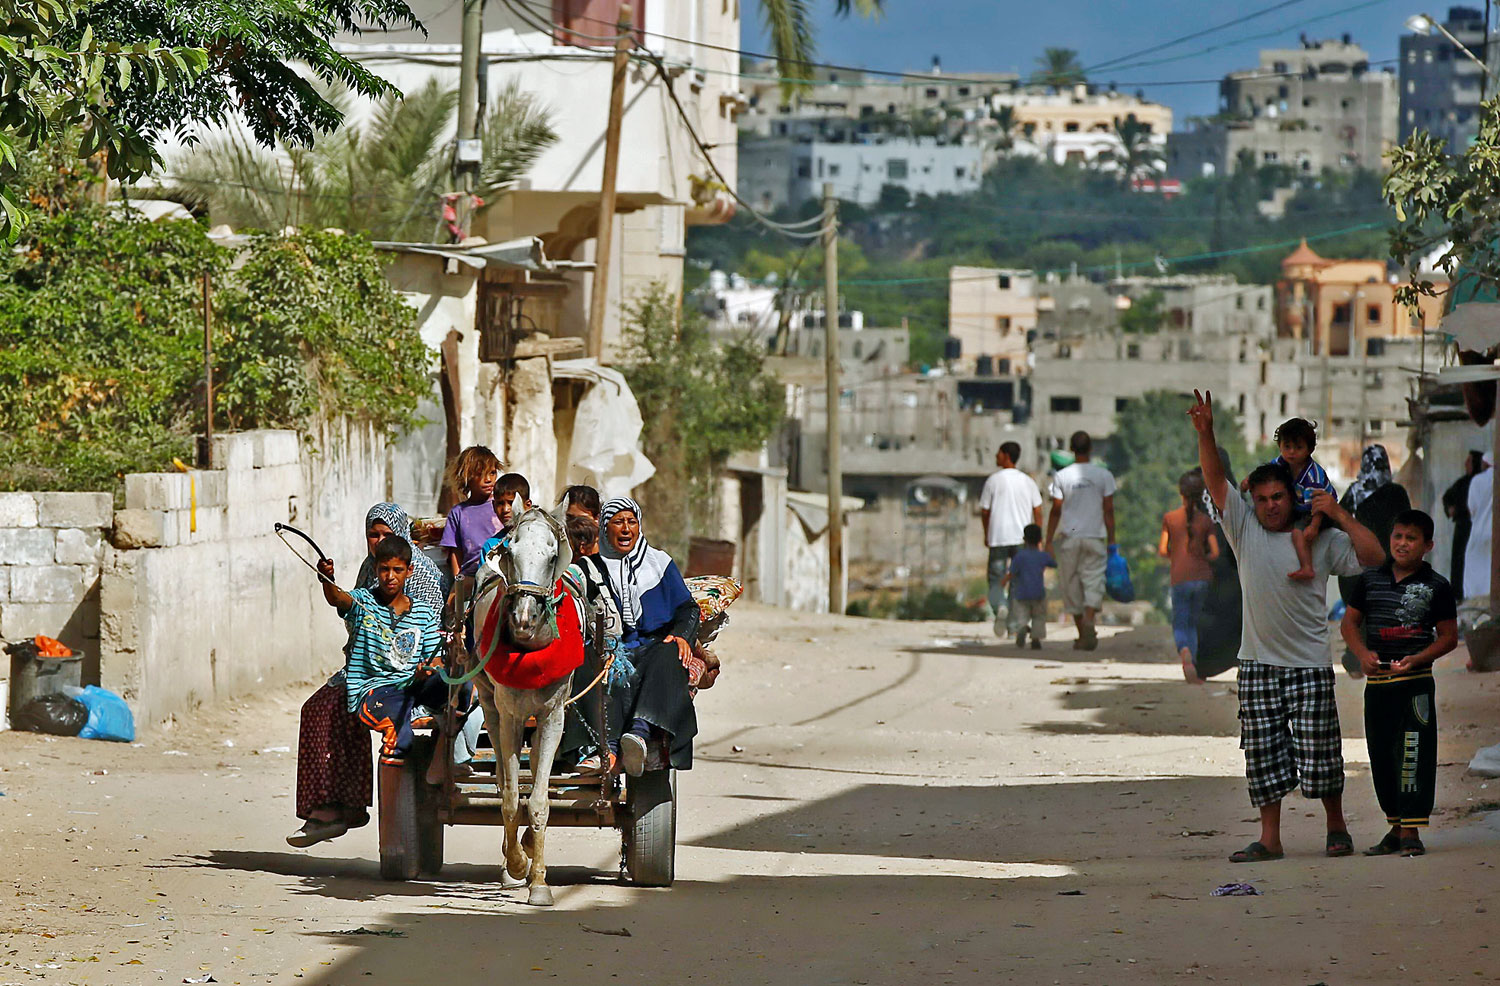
column 393, row 647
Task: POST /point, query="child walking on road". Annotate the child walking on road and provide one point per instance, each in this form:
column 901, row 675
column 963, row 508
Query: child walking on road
column 1400, row 618
column 1028, row 587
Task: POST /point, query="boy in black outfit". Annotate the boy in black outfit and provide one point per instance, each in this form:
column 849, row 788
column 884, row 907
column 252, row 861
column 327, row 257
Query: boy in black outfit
column 1401, row 617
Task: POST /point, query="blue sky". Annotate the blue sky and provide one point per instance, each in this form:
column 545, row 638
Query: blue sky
column 1007, row 35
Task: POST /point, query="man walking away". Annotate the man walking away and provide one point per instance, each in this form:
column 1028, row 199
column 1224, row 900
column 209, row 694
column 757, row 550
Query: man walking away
column 1289, row 720
column 1010, row 500
column 1079, row 531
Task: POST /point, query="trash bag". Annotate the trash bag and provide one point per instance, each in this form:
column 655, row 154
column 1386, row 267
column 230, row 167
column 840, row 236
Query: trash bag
column 58, row 715
column 1117, row 577
column 109, row 716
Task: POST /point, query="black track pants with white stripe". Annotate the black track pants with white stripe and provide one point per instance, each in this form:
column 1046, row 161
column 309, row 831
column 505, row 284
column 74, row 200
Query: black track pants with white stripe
column 1401, row 731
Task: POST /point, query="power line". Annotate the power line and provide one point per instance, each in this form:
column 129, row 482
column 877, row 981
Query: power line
column 1196, row 34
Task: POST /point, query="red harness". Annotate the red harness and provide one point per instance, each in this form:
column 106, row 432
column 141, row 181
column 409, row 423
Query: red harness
column 536, row 668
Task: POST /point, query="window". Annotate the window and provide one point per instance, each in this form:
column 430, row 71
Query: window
column 1308, row 101
column 820, row 167
column 932, row 94
column 1372, row 313
column 1066, row 405
column 1133, row 351
column 833, row 170
column 1071, row 126
column 1427, row 56
column 963, row 90
column 960, row 173
column 1002, row 323
column 895, row 168
column 1283, row 405
column 1376, row 426
column 1271, row 157
column 1242, row 403
column 804, row 168
column 1278, row 66
column 1121, row 403
column 1341, row 313
column 1004, row 282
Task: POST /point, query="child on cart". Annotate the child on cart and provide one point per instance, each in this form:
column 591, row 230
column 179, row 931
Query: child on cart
column 394, row 647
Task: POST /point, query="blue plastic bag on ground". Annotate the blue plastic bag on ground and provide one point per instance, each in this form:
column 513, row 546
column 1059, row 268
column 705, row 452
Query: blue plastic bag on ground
column 1117, row 577
column 109, row 716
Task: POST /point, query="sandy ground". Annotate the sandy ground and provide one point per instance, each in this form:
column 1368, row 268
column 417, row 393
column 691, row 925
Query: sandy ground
column 873, row 802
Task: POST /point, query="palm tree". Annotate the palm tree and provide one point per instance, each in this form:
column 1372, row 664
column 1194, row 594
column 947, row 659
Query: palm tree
column 1058, row 68
column 1006, row 123
column 385, row 177
column 789, row 23
column 1137, row 155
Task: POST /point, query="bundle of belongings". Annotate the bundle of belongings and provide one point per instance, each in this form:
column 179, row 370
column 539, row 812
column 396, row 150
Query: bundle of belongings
column 714, row 594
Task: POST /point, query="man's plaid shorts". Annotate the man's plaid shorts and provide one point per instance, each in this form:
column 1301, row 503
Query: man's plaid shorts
column 1289, row 730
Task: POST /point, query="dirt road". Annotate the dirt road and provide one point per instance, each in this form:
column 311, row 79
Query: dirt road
column 873, row 802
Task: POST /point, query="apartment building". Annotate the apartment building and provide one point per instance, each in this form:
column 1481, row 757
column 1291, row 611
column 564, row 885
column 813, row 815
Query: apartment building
column 1078, row 124
column 1320, row 105
column 1440, row 86
column 991, row 313
column 783, row 172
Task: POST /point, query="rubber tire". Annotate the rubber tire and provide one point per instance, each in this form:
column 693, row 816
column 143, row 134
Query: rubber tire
column 430, row 830
column 651, row 839
column 399, row 850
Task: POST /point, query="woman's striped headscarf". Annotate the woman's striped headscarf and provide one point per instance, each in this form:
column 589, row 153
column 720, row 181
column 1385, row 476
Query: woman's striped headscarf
column 425, row 584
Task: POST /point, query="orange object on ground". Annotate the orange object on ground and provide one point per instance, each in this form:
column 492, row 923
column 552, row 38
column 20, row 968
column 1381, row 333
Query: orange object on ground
column 47, row 647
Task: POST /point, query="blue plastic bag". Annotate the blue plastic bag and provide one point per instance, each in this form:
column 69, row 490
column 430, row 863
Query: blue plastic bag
column 1117, row 577
column 109, row 716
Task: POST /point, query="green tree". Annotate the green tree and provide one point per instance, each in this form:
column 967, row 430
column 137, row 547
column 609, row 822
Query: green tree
column 789, row 24
column 702, row 401
column 1447, row 202
column 1145, row 314
column 384, row 177
column 101, row 343
column 124, row 73
column 1153, row 445
column 1058, row 68
column 1138, row 155
column 1005, row 125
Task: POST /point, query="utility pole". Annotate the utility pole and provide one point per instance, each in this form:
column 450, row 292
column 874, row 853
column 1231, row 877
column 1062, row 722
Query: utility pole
column 604, row 238
column 831, row 364
column 467, row 151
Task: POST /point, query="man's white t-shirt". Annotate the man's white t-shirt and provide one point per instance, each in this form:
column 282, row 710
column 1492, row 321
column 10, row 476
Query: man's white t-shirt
column 1477, row 552
column 1010, row 496
column 1082, row 488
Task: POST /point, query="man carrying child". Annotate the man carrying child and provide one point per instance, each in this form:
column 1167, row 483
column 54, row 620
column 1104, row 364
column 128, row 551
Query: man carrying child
column 1289, row 723
column 1400, row 618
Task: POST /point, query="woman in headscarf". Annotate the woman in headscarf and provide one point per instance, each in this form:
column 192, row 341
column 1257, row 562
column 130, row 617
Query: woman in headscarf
column 1220, row 620
column 586, row 576
column 334, row 768
column 660, row 619
column 1375, row 500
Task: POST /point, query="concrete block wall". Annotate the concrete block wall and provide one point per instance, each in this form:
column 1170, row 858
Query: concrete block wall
column 200, row 601
column 51, row 551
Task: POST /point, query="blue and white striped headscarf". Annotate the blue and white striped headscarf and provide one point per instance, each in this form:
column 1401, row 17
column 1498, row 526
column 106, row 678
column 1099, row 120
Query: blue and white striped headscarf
column 425, row 584
column 635, row 574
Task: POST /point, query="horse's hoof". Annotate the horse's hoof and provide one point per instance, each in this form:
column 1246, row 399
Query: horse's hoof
column 541, row 895
column 508, row 882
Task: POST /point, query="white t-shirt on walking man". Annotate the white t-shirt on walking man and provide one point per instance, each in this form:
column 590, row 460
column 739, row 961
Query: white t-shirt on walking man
column 1082, row 488
column 1010, row 496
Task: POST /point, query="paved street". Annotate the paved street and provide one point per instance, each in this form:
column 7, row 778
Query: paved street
column 874, row 802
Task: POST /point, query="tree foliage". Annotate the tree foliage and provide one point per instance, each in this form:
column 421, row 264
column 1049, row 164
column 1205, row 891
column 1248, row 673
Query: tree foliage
column 1058, row 68
column 101, row 334
column 385, row 177
column 789, row 25
column 702, row 401
column 127, row 72
column 1152, row 446
column 1448, row 203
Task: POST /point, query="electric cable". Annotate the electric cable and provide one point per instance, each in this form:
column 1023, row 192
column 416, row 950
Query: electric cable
column 1195, row 35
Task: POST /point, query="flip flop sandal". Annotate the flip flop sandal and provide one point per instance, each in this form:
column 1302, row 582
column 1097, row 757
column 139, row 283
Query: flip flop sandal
column 1412, row 846
column 1385, row 847
column 1339, row 844
column 1254, row 853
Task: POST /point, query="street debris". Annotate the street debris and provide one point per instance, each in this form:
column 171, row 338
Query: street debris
column 205, row 978
column 1235, row 890
column 378, row 932
column 1070, row 893
column 616, row 932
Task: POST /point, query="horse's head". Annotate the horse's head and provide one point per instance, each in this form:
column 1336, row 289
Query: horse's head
column 537, row 557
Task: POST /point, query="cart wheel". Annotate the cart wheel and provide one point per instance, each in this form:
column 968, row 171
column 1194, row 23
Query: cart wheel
column 429, row 827
column 651, row 839
column 398, row 822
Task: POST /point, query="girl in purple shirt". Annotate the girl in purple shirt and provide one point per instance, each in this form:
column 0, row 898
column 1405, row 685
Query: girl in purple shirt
column 471, row 523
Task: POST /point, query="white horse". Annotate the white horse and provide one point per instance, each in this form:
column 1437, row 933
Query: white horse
column 519, row 580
